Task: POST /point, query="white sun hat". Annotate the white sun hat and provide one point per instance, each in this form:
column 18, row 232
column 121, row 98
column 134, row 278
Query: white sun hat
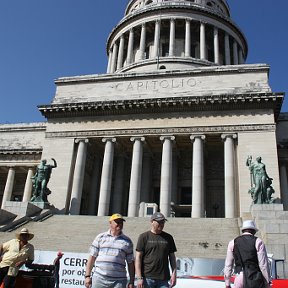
column 249, row 224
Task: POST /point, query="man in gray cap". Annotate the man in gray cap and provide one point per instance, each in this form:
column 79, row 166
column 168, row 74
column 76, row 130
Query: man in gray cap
column 250, row 257
column 154, row 250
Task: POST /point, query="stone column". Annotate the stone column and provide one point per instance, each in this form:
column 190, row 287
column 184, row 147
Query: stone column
column 94, row 189
column 118, row 193
column 240, row 56
column 229, row 170
column 28, row 186
column 227, row 49
column 114, row 57
column 157, row 38
column 120, row 53
column 135, row 179
column 216, row 46
column 130, row 47
column 8, row 187
column 143, row 41
column 188, row 38
column 284, row 184
column 109, row 62
column 235, row 53
column 146, row 176
column 202, row 41
column 174, row 177
column 106, row 177
column 78, row 177
column 166, row 175
column 172, row 38
column 197, row 176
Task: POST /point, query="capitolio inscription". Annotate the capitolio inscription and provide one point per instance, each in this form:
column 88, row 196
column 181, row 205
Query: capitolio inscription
column 155, row 84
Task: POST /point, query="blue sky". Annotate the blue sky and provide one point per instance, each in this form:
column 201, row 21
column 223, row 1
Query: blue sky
column 43, row 40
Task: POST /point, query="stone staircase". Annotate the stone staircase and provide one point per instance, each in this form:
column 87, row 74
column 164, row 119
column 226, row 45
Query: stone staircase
column 201, row 238
column 197, row 238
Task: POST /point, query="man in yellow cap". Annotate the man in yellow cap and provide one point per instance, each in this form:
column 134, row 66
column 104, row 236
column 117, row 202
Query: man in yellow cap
column 110, row 251
column 13, row 254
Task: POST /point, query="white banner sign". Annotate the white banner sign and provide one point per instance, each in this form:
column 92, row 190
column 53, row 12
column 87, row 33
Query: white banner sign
column 72, row 267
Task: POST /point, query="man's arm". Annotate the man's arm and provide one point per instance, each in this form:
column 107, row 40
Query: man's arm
column 131, row 271
column 263, row 259
column 229, row 263
column 89, row 267
column 55, row 163
column 1, row 252
column 173, row 279
column 138, row 264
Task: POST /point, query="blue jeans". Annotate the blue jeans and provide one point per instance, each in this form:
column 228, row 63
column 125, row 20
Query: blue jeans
column 154, row 283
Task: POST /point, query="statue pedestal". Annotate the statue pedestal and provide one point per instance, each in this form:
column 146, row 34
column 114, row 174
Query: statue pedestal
column 42, row 205
column 267, row 207
column 21, row 208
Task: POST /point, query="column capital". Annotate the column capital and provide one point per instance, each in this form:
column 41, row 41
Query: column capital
column 78, row 140
column 194, row 136
column 172, row 19
column 169, row 137
column 228, row 135
column 157, row 21
column 134, row 138
column 143, row 25
column 106, row 139
column 188, row 19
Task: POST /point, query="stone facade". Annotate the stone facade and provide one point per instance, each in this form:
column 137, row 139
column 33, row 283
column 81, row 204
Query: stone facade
column 172, row 122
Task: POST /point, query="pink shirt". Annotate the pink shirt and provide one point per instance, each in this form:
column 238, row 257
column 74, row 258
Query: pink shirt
column 262, row 259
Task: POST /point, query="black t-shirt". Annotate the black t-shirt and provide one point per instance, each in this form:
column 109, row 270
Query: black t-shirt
column 155, row 250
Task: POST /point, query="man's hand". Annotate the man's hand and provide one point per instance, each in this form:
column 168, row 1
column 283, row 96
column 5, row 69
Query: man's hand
column 20, row 263
column 88, row 282
column 140, row 283
column 173, row 280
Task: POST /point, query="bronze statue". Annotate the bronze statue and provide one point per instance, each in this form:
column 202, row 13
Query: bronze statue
column 261, row 190
column 40, row 181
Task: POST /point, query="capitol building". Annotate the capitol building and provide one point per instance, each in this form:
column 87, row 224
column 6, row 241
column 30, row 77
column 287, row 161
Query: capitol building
column 169, row 127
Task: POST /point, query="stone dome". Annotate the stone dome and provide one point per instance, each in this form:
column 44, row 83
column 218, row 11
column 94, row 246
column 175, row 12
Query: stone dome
column 175, row 35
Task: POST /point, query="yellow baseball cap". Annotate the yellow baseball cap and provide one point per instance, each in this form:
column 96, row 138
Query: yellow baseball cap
column 116, row 216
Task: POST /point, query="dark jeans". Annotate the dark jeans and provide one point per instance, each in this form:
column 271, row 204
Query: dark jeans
column 152, row 283
column 9, row 281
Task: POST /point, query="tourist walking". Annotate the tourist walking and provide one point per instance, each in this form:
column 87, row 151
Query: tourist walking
column 154, row 251
column 249, row 255
column 110, row 251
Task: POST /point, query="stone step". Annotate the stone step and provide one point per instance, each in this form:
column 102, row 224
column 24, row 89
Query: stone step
column 205, row 237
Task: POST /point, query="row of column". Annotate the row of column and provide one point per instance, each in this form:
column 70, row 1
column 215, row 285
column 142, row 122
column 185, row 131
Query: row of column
column 116, row 54
column 8, row 190
column 166, row 176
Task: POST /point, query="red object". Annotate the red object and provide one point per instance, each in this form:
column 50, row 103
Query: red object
column 59, row 254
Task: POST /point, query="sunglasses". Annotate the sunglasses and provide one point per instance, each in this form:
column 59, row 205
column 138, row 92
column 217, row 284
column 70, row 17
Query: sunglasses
column 161, row 222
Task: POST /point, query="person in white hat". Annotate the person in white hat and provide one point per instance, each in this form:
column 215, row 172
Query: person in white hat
column 13, row 254
column 110, row 252
column 249, row 255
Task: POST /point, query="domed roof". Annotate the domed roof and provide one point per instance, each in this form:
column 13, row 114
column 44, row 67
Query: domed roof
column 219, row 6
column 175, row 35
